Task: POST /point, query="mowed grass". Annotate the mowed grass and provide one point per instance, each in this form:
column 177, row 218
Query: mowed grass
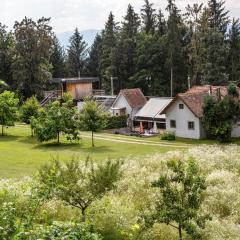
column 21, row 155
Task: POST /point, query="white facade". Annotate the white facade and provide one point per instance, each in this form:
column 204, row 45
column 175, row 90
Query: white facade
column 121, row 105
column 182, row 117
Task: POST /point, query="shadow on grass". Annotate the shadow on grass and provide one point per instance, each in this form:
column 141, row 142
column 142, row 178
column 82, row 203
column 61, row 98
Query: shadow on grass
column 76, row 147
column 9, row 138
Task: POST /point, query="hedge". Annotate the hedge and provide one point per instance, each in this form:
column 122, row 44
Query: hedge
column 116, row 122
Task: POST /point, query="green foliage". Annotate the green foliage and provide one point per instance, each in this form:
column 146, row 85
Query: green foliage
column 8, row 220
column 92, row 117
column 3, row 85
column 59, row 232
column 6, row 55
column 33, row 45
column 95, row 54
column 148, row 17
column 58, row 60
column 77, row 54
column 79, row 185
column 126, row 48
column 116, row 122
column 181, row 197
column 234, row 50
column 109, row 52
column 233, row 90
column 169, row 136
column 30, row 108
column 8, row 109
column 220, row 116
column 54, row 120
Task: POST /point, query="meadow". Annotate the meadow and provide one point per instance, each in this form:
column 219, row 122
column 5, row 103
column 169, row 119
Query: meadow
column 22, row 155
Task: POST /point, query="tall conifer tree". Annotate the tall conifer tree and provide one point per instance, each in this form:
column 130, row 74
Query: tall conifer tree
column 109, row 54
column 148, row 17
column 57, row 60
column 77, row 54
column 176, row 50
column 127, row 47
column 95, row 55
column 234, row 52
column 214, row 41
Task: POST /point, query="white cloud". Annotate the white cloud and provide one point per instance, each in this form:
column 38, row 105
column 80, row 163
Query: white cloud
column 84, row 14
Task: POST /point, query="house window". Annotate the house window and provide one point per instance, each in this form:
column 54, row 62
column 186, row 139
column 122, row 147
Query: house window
column 172, row 123
column 181, row 106
column 117, row 114
column 191, row 125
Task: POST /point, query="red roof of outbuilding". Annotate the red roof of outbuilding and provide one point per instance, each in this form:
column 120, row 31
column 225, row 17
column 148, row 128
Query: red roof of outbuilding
column 134, row 97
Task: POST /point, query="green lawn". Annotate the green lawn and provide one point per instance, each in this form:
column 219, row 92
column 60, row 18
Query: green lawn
column 22, row 155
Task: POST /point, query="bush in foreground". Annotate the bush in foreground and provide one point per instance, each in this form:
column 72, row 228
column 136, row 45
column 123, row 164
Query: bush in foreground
column 168, row 136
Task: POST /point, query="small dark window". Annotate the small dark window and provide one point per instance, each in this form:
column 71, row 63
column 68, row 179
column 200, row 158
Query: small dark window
column 117, row 114
column 191, row 125
column 172, row 123
column 181, row 106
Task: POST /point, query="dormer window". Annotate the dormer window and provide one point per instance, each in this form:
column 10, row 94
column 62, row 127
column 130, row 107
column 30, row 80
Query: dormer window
column 181, row 106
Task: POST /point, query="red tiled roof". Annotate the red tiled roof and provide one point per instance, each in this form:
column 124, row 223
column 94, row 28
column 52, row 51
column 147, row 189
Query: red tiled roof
column 194, row 97
column 134, row 97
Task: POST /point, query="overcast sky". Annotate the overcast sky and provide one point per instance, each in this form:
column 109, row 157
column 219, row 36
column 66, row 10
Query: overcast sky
column 84, row 14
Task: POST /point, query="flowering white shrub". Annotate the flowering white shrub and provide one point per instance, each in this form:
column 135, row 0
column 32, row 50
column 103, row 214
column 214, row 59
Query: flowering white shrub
column 118, row 215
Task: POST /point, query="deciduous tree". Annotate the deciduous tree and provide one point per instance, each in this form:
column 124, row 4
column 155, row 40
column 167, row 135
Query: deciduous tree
column 54, row 120
column 33, row 45
column 8, row 109
column 181, row 196
column 79, row 185
column 92, row 118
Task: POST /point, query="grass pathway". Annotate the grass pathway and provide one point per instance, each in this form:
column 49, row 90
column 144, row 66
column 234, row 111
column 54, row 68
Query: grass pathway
column 131, row 140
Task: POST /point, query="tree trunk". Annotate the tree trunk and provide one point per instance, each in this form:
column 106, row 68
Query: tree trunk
column 58, row 138
column 92, row 140
column 83, row 214
column 2, row 130
column 180, row 232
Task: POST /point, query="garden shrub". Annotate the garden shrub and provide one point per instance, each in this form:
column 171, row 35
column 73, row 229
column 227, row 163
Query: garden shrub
column 59, row 232
column 116, row 122
column 168, row 136
column 29, row 109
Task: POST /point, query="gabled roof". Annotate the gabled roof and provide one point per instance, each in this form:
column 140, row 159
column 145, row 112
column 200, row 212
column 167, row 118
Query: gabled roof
column 153, row 107
column 75, row 80
column 134, row 97
column 194, row 98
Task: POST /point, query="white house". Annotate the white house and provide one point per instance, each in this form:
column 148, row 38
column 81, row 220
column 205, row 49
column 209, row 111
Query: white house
column 184, row 113
column 149, row 116
column 128, row 102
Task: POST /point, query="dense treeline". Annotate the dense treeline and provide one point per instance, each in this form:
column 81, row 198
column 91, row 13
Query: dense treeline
column 147, row 50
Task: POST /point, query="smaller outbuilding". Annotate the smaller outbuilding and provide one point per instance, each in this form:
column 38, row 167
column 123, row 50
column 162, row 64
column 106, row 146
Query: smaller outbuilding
column 128, row 102
column 149, row 118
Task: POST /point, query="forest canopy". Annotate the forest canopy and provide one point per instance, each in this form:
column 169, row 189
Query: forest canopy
column 150, row 50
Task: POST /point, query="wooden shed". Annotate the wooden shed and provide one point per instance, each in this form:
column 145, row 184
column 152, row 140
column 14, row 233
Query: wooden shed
column 78, row 88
